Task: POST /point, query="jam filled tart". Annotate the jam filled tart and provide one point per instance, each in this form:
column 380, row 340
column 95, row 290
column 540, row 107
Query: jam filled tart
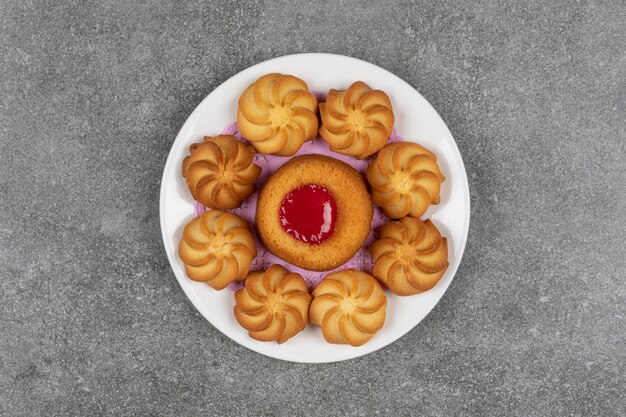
column 314, row 212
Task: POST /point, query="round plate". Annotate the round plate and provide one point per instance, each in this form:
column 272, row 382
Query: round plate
column 416, row 120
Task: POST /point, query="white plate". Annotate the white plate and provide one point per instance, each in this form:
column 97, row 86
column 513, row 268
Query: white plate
column 416, row 120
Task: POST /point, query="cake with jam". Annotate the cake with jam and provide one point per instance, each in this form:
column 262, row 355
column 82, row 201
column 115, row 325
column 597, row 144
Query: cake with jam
column 314, row 212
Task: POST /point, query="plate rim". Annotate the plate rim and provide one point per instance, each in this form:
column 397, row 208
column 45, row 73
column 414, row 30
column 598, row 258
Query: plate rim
column 192, row 296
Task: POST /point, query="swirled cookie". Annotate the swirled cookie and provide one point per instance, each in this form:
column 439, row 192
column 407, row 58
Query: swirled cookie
column 314, row 212
column 410, row 256
column 358, row 121
column 273, row 305
column 350, row 306
column 277, row 114
column 220, row 173
column 217, row 248
column 405, row 179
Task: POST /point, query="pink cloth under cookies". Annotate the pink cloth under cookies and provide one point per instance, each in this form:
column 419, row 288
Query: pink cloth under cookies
column 362, row 261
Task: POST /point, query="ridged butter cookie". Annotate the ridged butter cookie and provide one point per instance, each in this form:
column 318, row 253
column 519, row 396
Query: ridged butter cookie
column 220, row 173
column 358, row 121
column 217, row 248
column 350, row 306
column 274, row 304
column 410, row 256
column 277, row 114
column 405, row 179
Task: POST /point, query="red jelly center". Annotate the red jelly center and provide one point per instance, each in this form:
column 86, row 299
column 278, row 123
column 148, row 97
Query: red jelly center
column 309, row 214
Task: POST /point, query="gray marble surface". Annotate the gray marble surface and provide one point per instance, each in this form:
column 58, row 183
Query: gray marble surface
column 92, row 320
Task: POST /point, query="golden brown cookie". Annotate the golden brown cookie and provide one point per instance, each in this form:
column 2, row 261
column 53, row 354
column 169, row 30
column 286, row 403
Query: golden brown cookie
column 274, row 304
column 314, row 212
column 350, row 306
column 217, row 248
column 277, row 114
column 220, row 173
column 410, row 256
column 405, row 179
column 358, row 121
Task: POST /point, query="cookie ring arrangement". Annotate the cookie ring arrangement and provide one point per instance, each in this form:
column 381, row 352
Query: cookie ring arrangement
column 313, row 213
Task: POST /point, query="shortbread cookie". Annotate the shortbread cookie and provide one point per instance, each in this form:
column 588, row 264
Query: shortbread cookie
column 357, row 121
column 277, row 114
column 410, row 256
column 273, row 305
column 405, row 179
column 350, row 306
column 217, row 248
column 220, row 173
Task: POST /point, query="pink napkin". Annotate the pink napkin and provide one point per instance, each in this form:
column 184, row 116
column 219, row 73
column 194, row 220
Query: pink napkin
column 362, row 261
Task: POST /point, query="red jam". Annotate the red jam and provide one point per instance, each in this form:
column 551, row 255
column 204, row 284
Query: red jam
column 309, row 214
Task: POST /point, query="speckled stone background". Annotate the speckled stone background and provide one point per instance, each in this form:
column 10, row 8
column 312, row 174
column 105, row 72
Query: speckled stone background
column 92, row 320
